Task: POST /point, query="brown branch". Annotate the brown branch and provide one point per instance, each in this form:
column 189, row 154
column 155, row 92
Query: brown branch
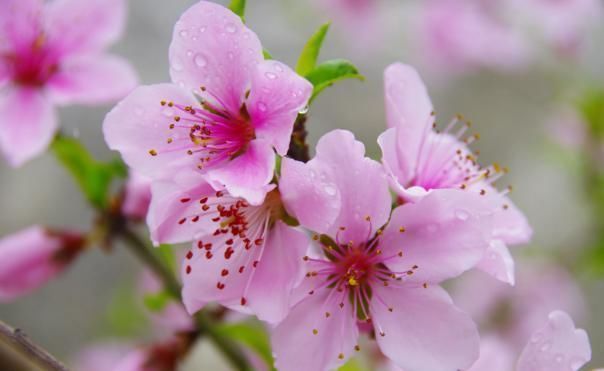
column 298, row 148
column 22, row 343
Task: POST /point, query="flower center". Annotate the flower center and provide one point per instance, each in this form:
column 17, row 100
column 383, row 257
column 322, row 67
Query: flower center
column 32, row 65
column 211, row 134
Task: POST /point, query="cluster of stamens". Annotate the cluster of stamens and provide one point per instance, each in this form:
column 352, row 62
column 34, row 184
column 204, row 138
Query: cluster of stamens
column 208, row 132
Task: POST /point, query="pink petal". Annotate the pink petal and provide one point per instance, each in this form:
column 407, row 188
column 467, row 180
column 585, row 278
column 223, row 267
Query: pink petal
column 92, row 80
column 20, row 24
column 276, row 96
column 77, row 27
column 297, row 347
column 359, row 181
column 495, row 355
column 278, row 272
column 444, row 234
column 139, row 124
column 27, row 124
column 212, row 48
column 498, row 262
column 26, row 262
column 408, row 108
column 425, row 331
column 137, row 196
column 167, row 211
column 308, row 191
column 558, row 346
column 248, row 175
column 511, row 224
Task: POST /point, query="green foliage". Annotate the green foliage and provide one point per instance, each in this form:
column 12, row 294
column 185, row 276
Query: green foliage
column 158, row 301
column 352, row 365
column 310, row 53
column 592, row 109
column 165, row 253
column 93, row 177
column 124, row 316
column 238, row 7
column 267, row 55
column 252, row 335
column 329, row 72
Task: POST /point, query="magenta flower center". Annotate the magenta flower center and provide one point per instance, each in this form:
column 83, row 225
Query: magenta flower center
column 208, row 132
column 31, row 65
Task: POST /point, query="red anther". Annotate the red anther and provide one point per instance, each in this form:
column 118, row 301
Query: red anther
column 216, row 219
column 228, row 253
column 188, row 269
column 182, row 221
column 203, row 200
column 220, row 285
column 209, row 255
column 190, row 255
column 185, row 200
column 255, row 264
column 224, row 272
column 243, row 301
column 205, row 207
column 258, row 241
column 208, row 246
column 195, row 219
column 199, row 244
column 219, row 194
column 229, row 241
column 241, row 269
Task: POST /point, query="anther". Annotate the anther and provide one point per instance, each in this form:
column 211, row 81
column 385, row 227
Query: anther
column 243, row 301
column 224, row 272
column 188, row 269
column 402, row 229
column 190, row 255
column 315, row 331
column 153, row 152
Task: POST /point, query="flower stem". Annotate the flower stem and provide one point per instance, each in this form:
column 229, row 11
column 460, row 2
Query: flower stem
column 227, row 347
column 23, row 344
column 298, row 148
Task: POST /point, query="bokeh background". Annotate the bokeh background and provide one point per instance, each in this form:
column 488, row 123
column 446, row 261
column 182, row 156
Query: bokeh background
column 510, row 111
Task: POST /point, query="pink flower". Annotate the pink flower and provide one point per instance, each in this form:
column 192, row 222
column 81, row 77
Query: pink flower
column 468, row 34
column 32, row 257
column 420, row 161
column 243, row 256
column 53, row 53
column 558, row 346
column 137, row 196
column 225, row 113
column 364, row 272
column 100, row 357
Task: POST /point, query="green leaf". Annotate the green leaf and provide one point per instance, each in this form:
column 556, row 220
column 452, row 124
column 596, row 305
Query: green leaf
column 592, row 108
column 238, row 7
column 157, row 302
column 93, row 177
column 267, row 55
column 165, row 253
column 310, row 53
column 329, row 72
column 251, row 334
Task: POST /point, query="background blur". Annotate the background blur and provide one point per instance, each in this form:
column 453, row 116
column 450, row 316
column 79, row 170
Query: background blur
column 510, row 111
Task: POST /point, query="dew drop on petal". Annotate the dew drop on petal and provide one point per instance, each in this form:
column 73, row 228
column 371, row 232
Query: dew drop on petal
column 278, row 67
column 304, row 110
column 261, row 106
column 462, row 214
column 230, row 55
column 270, row 75
column 536, row 337
column 330, row 189
column 168, row 112
column 138, row 110
column 200, row 60
column 576, row 362
column 184, row 34
column 230, row 28
column 177, row 65
column 202, row 29
column 559, row 358
column 545, row 346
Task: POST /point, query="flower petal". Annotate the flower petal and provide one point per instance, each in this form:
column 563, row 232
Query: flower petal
column 212, row 48
column 276, row 96
column 558, row 346
column 308, row 192
column 248, row 175
column 309, row 340
column 424, row 331
column 27, row 126
column 20, row 24
column 511, row 224
column 359, row 181
column 498, row 262
column 139, row 124
column 77, row 27
column 495, row 355
column 92, row 79
column 278, row 272
column 444, row 234
column 170, row 219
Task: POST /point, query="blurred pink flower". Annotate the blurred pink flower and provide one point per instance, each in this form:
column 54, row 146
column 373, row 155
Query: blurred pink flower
column 568, row 129
column 420, row 161
column 243, row 257
column 558, row 346
column 364, row 272
column 53, row 53
column 32, row 257
column 173, row 317
column 514, row 312
column 457, row 35
column 100, row 357
column 225, row 111
column 137, row 196
column 495, row 355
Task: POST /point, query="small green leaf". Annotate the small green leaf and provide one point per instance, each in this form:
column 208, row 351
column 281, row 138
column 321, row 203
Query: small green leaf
column 157, row 302
column 238, row 7
column 251, row 334
column 310, row 53
column 329, row 72
column 93, row 177
column 267, row 55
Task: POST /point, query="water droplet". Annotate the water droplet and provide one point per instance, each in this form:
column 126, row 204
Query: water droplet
column 230, row 28
column 230, row 55
column 200, row 60
column 278, row 67
column 184, row 34
column 194, row 38
column 545, row 346
column 462, row 214
column 189, row 53
column 270, row 75
column 304, row 110
column 330, row 190
column 168, row 112
column 261, row 106
column 431, row 228
column 559, row 358
column 202, row 29
column 536, row 337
